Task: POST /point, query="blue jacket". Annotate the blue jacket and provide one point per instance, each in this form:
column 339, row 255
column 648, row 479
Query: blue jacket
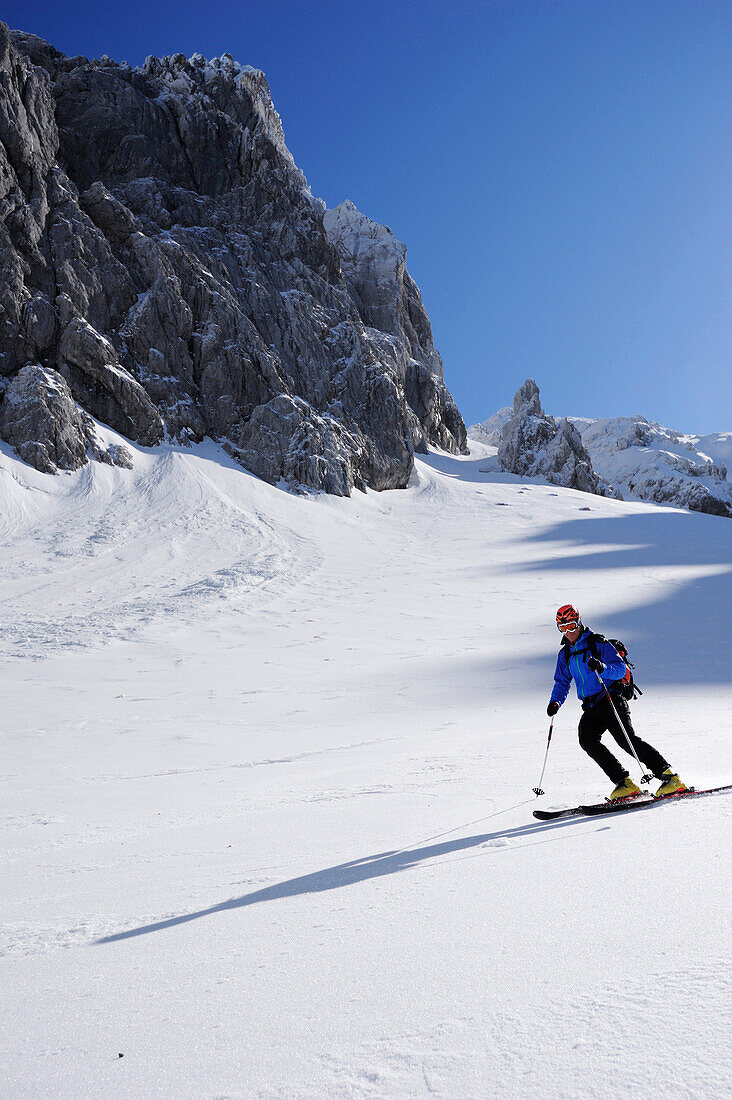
column 572, row 665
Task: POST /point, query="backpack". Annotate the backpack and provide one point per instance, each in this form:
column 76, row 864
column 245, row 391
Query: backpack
column 627, row 686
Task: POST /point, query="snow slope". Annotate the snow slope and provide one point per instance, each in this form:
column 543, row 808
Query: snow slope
column 267, row 784
column 717, row 445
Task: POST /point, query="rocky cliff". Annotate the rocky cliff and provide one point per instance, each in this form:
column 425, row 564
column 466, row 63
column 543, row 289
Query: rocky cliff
column 165, row 269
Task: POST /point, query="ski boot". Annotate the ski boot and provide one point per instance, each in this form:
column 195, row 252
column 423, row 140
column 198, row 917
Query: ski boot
column 671, row 784
column 626, row 788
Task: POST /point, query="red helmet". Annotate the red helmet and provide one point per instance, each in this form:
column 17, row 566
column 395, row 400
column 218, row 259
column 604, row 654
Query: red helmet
column 567, row 614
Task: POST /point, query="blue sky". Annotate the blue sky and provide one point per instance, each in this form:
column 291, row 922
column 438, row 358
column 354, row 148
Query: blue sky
column 561, row 172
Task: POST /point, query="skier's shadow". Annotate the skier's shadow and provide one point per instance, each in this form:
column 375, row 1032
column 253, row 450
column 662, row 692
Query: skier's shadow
column 357, row 870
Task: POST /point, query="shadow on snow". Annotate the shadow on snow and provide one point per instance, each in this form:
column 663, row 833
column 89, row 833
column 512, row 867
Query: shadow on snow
column 682, row 635
column 358, row 870
column 682, row 632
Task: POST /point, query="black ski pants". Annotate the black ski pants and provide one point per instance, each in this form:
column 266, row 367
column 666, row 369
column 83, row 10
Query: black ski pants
column 600, row 718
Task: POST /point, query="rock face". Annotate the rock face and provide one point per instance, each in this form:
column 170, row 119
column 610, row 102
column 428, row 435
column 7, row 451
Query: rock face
column 41, row 420
column 161, row 252
column 374, row 265
column 650, row 462
column 535, row 445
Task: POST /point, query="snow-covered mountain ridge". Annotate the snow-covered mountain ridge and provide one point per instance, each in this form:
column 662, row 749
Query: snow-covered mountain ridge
column 648, row 461
column 644, row 460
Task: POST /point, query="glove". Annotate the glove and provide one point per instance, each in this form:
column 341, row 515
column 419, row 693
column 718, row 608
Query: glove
column 552, row 708
column 594, row 664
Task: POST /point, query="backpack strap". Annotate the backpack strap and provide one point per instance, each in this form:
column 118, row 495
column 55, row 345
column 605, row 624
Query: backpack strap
column 593, row 641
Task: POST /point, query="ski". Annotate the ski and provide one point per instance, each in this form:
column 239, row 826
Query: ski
column 580, row 811
column 639, row 803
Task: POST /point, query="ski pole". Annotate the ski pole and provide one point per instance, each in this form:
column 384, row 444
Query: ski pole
column 646, row 777
column 537, row 790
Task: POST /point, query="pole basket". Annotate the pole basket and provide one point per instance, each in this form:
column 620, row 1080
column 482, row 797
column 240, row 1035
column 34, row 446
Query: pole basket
column 537, row 791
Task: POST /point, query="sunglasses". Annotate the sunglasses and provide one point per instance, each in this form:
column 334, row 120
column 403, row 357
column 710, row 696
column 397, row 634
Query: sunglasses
column 567, row 626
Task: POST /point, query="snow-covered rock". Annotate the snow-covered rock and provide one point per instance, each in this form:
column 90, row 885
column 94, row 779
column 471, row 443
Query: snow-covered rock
column 390, row 305
column 534, row 444
column 374, row 264
column 41, row 420
column 650, row 462
column 640, row 459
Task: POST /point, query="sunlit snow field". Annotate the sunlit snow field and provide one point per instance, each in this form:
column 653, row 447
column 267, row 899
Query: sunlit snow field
column 267, row 771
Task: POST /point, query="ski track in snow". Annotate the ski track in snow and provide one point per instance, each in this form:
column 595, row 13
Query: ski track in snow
column 267, row 784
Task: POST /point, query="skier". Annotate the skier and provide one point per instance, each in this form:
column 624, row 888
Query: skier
column 577, row 660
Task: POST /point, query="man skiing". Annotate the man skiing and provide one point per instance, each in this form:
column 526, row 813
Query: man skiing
column 597, row 669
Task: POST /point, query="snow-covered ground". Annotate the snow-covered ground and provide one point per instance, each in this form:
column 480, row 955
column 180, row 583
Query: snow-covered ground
column 267, row 787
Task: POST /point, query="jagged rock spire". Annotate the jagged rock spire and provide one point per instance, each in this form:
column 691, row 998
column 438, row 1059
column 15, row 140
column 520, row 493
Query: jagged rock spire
column 533, row 444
